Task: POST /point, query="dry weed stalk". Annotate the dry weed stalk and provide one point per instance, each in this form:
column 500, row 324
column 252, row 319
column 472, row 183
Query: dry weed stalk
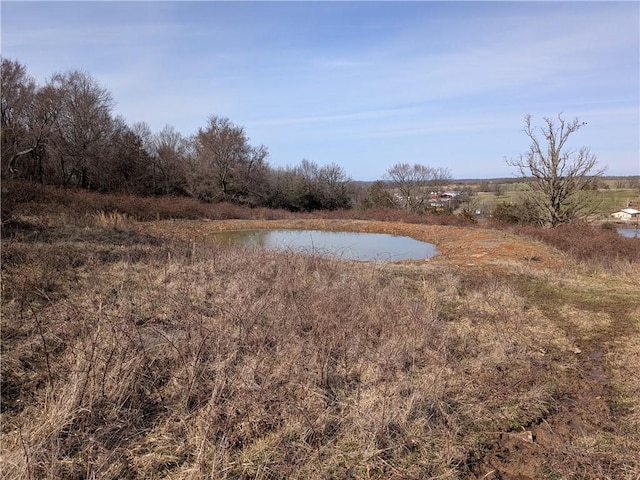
column 114, row 220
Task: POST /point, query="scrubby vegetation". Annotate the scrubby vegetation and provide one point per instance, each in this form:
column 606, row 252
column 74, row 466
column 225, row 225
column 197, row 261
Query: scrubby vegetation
column 590, row 244
column 127, row 355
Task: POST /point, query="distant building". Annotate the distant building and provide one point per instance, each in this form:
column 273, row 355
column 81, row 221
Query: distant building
column 626, row 214
column 444, row 200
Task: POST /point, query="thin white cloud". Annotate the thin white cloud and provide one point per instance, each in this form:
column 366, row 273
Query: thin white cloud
column 362, row 115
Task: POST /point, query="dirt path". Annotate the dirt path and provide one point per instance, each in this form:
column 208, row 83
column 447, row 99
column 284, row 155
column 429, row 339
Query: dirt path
column 604, row 327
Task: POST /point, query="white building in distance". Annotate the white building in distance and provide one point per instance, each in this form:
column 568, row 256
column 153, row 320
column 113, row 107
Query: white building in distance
column 626, row 214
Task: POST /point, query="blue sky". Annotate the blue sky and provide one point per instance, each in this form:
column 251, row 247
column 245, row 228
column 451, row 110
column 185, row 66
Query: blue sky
column 362, row 84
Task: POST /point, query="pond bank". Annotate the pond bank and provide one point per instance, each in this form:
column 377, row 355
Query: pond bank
column 462, row 246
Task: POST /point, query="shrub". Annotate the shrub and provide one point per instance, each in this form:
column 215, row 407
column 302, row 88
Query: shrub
column 523, row 211
column 28, row 198
column 608, row 226
column 587, row 243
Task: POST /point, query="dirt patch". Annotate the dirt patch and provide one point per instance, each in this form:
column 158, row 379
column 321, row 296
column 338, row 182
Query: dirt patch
column 588, row 419
column 539, row 450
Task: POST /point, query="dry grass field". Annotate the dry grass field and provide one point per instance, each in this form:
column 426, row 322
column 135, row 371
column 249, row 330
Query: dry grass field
column 134, row 346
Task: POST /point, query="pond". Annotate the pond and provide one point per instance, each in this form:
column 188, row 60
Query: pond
column 342, row 245
column 629, row 232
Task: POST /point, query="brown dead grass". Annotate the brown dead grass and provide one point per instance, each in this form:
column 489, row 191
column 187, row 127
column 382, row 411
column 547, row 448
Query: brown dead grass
column 145, row 350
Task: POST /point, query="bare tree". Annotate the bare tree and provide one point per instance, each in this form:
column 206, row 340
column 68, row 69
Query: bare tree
column 29, row 116
column 26, row 120
column 217, row 148
column 304, row 193
column 335, row 187
column 126, row 163
column 558, row 173
column 169, row 153
column 282, row 183
column 377, row 195
column 440, row 176
column 17, row 93
column 82, row 128
column 225, row 166
column 412, row 184
column 142, row 130
column 251, row 175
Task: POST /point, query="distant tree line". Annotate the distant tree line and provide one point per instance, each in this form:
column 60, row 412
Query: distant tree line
column 65, row 133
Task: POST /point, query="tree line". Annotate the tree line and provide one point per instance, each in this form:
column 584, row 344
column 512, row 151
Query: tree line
column 65, row 133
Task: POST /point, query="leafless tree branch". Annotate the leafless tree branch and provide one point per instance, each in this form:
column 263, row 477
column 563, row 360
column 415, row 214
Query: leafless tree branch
column 557, row 173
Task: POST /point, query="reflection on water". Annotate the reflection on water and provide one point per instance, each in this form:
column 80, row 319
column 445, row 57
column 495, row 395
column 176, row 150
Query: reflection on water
column 629, row 232
column 345, row 245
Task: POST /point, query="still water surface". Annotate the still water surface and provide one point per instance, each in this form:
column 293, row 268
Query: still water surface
column 629, row 232
column 344, row 245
